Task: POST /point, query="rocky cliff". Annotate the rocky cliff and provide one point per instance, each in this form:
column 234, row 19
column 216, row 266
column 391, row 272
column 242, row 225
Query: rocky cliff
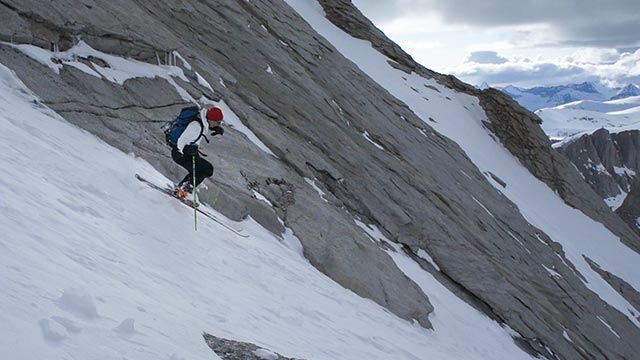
column 609, row 163
column 308, row 115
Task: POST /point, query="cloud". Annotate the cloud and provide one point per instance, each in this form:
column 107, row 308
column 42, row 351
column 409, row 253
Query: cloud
column 582, row 66
column 382, row 10
column 594, row 56
column 527, row 43
column 520, row 74
column 576, row 22
column 486, row 57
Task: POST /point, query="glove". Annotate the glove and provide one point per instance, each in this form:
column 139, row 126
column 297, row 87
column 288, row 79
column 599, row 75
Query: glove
column 216, row 130
column 190, row 150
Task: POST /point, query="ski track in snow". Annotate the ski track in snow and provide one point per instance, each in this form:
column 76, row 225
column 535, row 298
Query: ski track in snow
column 96, row 265
column 459, row 118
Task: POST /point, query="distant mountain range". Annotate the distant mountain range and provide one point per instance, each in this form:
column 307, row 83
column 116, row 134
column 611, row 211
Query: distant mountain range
column 551, row 96
column 570, row 121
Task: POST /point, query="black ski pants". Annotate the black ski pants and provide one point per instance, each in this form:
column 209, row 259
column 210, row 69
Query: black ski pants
column 204, row 169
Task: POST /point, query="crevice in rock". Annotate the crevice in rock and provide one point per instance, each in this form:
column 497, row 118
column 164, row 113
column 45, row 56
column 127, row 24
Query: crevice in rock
column 113, row 108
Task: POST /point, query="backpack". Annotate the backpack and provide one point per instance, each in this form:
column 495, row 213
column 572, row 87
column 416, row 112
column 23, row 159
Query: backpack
column 174, row 129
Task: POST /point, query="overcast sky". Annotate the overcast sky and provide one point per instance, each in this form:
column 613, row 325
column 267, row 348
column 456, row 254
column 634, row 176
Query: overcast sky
column 526, row 42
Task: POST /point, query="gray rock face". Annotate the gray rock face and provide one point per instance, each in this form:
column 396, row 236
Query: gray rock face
column 629, row 211
column 235, row 350
column 609, row 162
column 311, row 110
column 627, row 291
column 602, row 158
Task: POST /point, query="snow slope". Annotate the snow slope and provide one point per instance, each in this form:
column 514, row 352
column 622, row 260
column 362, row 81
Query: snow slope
column 459, row 117
column 575, row 119
column 96, row 265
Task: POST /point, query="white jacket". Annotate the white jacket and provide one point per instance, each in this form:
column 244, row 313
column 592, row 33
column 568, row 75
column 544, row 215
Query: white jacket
column 192, row 132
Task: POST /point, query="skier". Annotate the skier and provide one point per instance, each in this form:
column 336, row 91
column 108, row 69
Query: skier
column 184, row 135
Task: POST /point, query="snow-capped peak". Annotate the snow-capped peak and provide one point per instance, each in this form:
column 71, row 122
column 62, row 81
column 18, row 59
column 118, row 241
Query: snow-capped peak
column 627, row 91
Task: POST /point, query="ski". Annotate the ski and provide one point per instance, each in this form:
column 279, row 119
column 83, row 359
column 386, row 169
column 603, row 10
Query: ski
column 189, row 203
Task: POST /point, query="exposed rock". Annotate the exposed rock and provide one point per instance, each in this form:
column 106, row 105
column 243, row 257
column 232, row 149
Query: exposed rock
column 235, row 350
column 629, row 211
column 609, row 163
column 627, row 291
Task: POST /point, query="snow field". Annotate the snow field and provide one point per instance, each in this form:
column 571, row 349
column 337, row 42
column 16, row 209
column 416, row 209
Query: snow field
column 573, row 120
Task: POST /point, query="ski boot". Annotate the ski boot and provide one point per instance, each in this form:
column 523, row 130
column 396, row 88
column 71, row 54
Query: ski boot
column 182, row 190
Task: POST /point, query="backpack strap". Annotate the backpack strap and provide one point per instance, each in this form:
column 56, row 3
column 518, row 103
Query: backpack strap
column 199, row 120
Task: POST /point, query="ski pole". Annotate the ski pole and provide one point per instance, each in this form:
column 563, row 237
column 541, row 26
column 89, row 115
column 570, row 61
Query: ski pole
column 195, row 194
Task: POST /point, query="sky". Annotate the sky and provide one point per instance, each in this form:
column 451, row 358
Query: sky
column 524, row 43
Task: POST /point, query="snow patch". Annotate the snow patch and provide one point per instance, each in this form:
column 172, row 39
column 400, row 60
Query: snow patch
column 624, row 171
column 315, row 187
column 425, row 256
column 230, row 118
column 202, row 81
column 615, row 202
column 482, row 206
column 184, row 61
column 368, row 137
column 118, row 69
column 265, row 354
column 605, row 323
column 518, row 241
column 262, row 198
column 372, row 231
column 551, row 272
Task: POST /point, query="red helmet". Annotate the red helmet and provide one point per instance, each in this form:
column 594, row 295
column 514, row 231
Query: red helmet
column 214, row 114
